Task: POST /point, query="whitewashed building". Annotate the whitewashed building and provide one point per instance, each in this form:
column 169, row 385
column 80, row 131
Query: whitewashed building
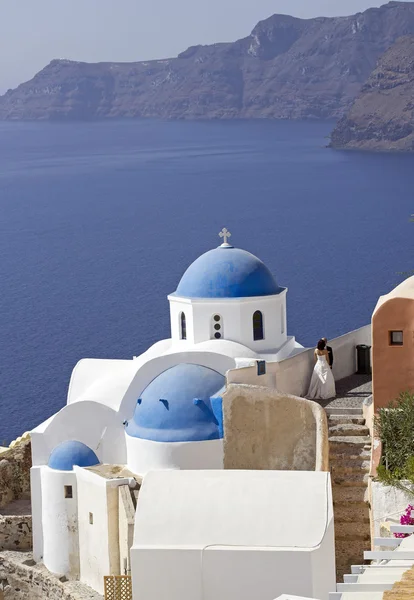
column 161, row 410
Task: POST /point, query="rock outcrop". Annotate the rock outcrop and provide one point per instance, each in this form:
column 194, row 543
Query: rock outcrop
column 15, row 532
column 382, row 117
column 287, row 68
column 15, row 464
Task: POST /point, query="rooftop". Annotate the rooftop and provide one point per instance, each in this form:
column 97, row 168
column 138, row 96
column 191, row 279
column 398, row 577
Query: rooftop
column 113, row 472
column 403, row 290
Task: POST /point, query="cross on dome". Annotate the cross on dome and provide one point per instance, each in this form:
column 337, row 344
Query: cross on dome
column 224, row 233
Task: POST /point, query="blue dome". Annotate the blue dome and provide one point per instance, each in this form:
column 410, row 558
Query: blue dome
column 182, row 404
column 227, row 272
column 68, row 454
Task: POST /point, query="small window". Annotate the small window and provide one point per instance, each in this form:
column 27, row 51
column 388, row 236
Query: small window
column 90, row 518
column 258, row 326
column 183, row 326
column 396, row 338
column 282, row 317
column 261, row 367
column 68, row 491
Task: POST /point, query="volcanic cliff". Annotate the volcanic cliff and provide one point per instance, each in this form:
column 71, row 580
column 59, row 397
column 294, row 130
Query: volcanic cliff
column 382, row 117
column 287, row 68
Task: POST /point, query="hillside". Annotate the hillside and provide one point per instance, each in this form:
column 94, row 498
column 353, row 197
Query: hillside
column 287, row 68
column 382, row 117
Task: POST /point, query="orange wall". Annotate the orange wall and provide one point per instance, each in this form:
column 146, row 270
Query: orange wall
column 393, row 366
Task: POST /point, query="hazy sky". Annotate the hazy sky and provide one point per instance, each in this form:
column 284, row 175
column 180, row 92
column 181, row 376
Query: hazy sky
column 33, row 32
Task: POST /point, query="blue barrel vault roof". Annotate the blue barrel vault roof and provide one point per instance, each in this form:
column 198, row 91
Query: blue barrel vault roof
column 182, row 404
column 70, row 453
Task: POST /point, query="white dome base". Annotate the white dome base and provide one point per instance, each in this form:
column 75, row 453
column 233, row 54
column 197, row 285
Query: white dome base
column 146, row 455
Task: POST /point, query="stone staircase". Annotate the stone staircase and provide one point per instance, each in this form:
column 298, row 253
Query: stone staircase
column 349, row 455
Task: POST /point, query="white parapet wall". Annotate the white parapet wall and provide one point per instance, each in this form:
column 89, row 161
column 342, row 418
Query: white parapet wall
column 293, row 375
column 233, row 535
column 388, row 504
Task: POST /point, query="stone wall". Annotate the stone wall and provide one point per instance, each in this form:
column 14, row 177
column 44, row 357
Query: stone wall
column 265, row 429
column 23, row 579
column 15, row 466
column 15, row 532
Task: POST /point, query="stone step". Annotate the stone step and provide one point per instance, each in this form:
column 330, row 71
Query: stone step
column 338, row 457
column 351, row 513
column 350, row 466
column 350, row 479
column 337, row 419
column 348, row 429
column 343, row 410
column 349, row 495
column 350, row 444
column 352, row 532
column 346, row 555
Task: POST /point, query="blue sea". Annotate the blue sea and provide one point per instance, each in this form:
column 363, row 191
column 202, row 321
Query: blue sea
column 99, row 221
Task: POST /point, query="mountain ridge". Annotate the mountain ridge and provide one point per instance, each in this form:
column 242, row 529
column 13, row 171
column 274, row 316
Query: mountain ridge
column 287, row 68
column 382, row 116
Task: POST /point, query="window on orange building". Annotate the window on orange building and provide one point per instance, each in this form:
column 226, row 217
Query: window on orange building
column 396, row 338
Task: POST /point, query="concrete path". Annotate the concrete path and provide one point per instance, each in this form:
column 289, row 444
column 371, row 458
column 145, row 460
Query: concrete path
column 350, row 392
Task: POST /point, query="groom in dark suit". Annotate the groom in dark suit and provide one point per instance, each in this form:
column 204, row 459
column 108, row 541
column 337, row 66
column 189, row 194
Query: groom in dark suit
column 330, row 352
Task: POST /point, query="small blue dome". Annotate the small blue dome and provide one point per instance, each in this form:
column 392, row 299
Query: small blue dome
column 227, row 272
column 182, row 404
column 68, row 454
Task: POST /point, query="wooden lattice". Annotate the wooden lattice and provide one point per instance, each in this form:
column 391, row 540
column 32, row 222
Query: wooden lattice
column 118, row 587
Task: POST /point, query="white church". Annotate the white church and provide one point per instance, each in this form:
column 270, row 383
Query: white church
column 153, row 426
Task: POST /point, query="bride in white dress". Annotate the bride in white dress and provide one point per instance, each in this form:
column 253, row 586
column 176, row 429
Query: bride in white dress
column 322, row 385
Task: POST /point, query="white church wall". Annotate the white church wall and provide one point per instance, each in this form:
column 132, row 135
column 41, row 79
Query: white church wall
column 240, row 534
column 227, row 350
column 60, row 522
column 147, row 455
column 230, row 325
column 176, row 308
column 236, row 320
column 36, row 501
column 272, row 308
column 96, row 425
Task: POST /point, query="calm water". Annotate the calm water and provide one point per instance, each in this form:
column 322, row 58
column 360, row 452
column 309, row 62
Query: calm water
column 99, row 221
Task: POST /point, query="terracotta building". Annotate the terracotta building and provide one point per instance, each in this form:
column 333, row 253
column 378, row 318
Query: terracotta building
column 393, row 344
